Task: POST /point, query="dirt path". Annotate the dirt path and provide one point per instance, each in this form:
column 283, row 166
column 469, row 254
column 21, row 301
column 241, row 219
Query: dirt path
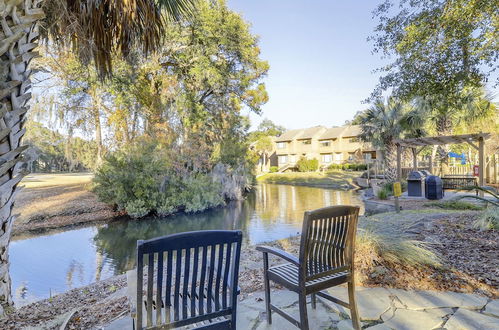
column 49, row 201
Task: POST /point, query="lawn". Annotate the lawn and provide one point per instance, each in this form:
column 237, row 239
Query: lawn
column 332, row 180
column 57, row 200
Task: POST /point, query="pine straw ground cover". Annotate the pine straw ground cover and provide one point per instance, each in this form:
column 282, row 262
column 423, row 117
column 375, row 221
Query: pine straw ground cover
column 417, row 249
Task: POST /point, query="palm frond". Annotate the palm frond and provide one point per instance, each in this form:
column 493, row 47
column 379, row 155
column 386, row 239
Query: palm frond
column 487, row 190
column 98, row 29
column 476, row 197
column 177, row 9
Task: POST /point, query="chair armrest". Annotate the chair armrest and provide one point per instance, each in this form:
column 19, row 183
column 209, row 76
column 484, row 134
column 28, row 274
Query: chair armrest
column 280, row 253
column 131, row 280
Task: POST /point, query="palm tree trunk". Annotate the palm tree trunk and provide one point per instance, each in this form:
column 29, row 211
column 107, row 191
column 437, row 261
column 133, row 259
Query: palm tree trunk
column 390, row 160
column 18, row 34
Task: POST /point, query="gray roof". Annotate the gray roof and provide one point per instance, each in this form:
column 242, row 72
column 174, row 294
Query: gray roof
column 323, row 132
column 311, row 132
column 289, row 135
column 352, row 130
column 332, row 133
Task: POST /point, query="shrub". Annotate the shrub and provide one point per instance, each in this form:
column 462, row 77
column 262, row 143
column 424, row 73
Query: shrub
column 454, row 205
column 385, row 191
column 388, row 187
column 313, row 164
column 274, row 169
column 130, row 180
column 488, row 219
column 144, row 180
column 358, row 167
column 383, row 194
column 137, row 208
column 351, row 167
column 335, row 167
column 307, row 165
column 199, row 192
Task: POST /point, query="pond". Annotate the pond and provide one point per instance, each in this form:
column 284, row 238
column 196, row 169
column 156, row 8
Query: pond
column 46, row 264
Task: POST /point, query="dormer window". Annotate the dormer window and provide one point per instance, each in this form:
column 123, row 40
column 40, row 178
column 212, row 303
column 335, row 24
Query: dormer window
column 281, row 145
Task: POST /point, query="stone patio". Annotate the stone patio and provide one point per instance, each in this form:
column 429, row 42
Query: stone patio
column 379, row 309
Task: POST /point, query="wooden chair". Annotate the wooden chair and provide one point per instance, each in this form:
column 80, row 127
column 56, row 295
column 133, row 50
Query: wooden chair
column 326, row 260
column 186, row 279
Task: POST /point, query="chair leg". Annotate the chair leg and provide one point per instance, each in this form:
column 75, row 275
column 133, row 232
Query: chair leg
column 313, row 299
column 353, row 305
column 233, row 317
column 267, row 287
column 302, row 301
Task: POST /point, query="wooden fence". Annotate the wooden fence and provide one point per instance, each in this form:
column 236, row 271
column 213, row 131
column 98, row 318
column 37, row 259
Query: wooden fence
column 491, row 169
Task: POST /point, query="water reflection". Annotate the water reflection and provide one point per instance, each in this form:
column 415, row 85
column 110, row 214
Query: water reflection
column 117, row 240
column 53, row 263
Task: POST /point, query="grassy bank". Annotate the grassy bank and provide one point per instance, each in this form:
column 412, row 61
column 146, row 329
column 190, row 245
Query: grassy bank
column 332, row 180
column 57, row 200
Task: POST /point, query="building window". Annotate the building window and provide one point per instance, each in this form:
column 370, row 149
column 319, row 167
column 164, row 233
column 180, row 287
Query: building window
column 281, row 145
column 338, row 156
column 353, row 139
column 369, row 155
column 327, row 158
column 351, row 156
column 325, row 143
column 307, row 142
column 283, row 159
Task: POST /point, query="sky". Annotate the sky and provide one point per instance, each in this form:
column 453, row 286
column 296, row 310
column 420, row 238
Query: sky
column 320, row 60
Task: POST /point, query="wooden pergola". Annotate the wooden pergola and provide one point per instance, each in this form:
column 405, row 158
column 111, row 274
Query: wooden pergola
column 477, row 141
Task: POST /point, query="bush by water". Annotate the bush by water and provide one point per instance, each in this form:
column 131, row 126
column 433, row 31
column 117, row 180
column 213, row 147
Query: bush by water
column 148, row 179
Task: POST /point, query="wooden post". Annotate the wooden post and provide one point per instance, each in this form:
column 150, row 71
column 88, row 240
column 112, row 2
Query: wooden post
column 414, row 159
column 487, row 169
column 399, row 162
column 495, row 168
column 431, row 164
column 481, row 163
column 399, row 175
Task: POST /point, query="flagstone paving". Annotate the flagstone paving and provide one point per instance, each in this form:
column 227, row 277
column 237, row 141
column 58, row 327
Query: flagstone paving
column 492, row 308
column 466, row 319
column 379, row 309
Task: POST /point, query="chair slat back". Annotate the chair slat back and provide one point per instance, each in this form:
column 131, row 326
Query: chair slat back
column 327, row 243
column 190, row 277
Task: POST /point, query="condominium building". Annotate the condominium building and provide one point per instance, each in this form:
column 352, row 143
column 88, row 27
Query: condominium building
column 335, row 145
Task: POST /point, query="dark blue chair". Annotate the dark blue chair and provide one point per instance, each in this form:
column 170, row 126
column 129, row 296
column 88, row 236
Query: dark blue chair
column 186, row 279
